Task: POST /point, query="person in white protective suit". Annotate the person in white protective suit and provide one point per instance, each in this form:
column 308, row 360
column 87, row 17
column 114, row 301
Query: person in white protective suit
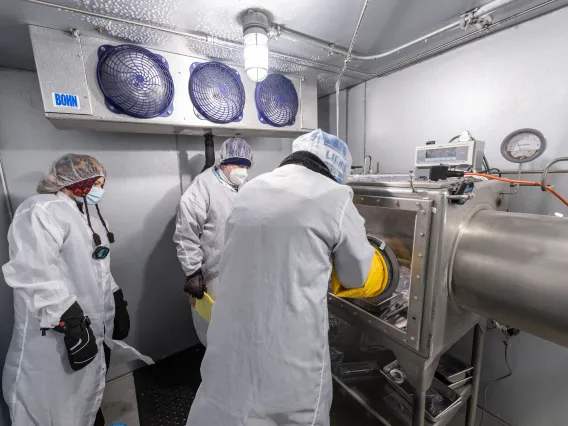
column 267, row 362
column 69, row 312
column 200, row 226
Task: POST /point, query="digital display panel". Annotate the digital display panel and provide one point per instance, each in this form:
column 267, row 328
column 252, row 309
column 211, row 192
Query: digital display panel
column 441, row 154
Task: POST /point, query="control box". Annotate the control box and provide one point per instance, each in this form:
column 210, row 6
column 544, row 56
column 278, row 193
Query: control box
column 458, row 154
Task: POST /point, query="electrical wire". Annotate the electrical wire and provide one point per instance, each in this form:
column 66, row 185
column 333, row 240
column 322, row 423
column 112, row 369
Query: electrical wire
column 506, row 376
column 490, row 171
column 487, row 166
column 520, row 182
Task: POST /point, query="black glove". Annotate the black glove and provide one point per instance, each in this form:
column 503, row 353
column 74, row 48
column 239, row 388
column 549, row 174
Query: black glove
column 121, row 317
column 79, row 338
column 195, row 285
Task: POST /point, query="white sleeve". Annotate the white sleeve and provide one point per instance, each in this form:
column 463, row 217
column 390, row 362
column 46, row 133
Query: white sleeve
column 191, row 217
column 353, row 254
column 34, row 270
column 113, row 285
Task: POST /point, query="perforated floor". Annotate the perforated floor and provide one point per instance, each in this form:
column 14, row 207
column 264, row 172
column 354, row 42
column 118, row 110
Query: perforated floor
column 165, row 391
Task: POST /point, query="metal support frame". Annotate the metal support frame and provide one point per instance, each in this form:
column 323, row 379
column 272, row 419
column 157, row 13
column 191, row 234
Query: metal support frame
column 545, row 171
column 418, row 408
column 476, row 361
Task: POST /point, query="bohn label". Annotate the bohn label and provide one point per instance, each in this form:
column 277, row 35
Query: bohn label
column 64, row 100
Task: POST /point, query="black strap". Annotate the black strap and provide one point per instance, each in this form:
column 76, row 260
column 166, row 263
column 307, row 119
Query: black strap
column 110, row 235
column 310, row 161
column 96, row 237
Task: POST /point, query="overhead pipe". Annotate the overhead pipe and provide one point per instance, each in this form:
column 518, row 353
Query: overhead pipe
column 204, row 39
column 464, row 38
column 475, row 15
column 338, row 83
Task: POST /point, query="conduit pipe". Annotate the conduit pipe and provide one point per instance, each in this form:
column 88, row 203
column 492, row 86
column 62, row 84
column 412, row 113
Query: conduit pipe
column 464, row 38
column 338, row 83
column 474, row 16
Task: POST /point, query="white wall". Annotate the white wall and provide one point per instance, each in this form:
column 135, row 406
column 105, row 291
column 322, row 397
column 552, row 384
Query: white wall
column 513, row 79
column 146, row 174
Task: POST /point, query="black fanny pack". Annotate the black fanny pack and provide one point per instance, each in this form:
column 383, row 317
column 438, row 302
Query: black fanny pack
column 310, row 161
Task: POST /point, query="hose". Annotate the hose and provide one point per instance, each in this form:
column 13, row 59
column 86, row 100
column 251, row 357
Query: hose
column 520, row 182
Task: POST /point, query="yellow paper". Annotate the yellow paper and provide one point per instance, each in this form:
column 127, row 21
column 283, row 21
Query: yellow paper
column 374, row 285
column 204, row 306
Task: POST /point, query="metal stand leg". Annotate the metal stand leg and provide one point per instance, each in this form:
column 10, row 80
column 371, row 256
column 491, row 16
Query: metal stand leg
column 418, row 408
column 477, row 356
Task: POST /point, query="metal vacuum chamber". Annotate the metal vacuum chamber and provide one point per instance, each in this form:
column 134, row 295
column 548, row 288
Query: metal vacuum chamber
column 459, row 258
column 421, row 224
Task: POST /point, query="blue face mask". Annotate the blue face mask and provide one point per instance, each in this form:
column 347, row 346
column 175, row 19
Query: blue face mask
column 95, row 195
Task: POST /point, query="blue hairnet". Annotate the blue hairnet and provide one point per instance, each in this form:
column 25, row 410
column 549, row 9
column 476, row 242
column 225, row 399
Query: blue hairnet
column 236, row 151
column 330, row 149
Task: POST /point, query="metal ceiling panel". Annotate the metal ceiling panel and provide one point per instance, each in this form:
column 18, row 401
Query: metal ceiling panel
column 387, row 24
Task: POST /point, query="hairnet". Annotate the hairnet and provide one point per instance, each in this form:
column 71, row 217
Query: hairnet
column 69, row 169
column 330, row 149
column 236, row 151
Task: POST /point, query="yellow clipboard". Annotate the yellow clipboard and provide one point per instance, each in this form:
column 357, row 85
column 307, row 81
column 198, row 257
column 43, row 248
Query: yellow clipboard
column 204, row 306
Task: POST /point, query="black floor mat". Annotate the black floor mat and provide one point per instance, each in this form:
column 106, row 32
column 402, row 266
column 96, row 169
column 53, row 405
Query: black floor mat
column 165, row 390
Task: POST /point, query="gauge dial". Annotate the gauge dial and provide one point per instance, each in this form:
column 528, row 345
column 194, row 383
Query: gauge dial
column 523, row 145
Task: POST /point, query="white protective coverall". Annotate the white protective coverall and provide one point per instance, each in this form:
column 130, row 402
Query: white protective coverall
column 268, row 361
column 51, row 266
column 200, row 231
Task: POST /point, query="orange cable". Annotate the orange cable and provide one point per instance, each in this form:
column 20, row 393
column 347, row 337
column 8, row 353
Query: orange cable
column 519, row 182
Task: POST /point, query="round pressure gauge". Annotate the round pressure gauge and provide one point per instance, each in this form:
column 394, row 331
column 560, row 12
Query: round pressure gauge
column 523, row 145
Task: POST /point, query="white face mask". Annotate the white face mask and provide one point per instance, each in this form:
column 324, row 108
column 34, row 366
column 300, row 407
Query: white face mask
column 95, row 195
column 238, row 176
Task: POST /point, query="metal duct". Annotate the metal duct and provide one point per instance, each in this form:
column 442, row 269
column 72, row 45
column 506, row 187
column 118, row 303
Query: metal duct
column 512, row 267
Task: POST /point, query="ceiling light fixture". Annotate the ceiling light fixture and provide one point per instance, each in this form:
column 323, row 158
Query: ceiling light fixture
column 255, row 31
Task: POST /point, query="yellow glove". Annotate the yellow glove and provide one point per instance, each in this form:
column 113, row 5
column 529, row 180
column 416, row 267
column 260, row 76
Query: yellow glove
column 376, row 281
column 203, row 307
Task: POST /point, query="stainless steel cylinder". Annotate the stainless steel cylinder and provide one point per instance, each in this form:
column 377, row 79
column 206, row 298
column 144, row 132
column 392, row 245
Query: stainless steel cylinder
column 514, row 268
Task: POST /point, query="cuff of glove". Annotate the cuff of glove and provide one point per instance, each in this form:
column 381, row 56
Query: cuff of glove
column 73, row 317
column 80, row 341
column 195, row 285
column 374, row 285
column 198, row 273
column 119, row 301
column 121, row 317
column 52, row 315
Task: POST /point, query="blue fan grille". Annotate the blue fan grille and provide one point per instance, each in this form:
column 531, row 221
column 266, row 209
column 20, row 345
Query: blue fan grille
column 276, row 101
column 217, row 92
column 135, row 81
